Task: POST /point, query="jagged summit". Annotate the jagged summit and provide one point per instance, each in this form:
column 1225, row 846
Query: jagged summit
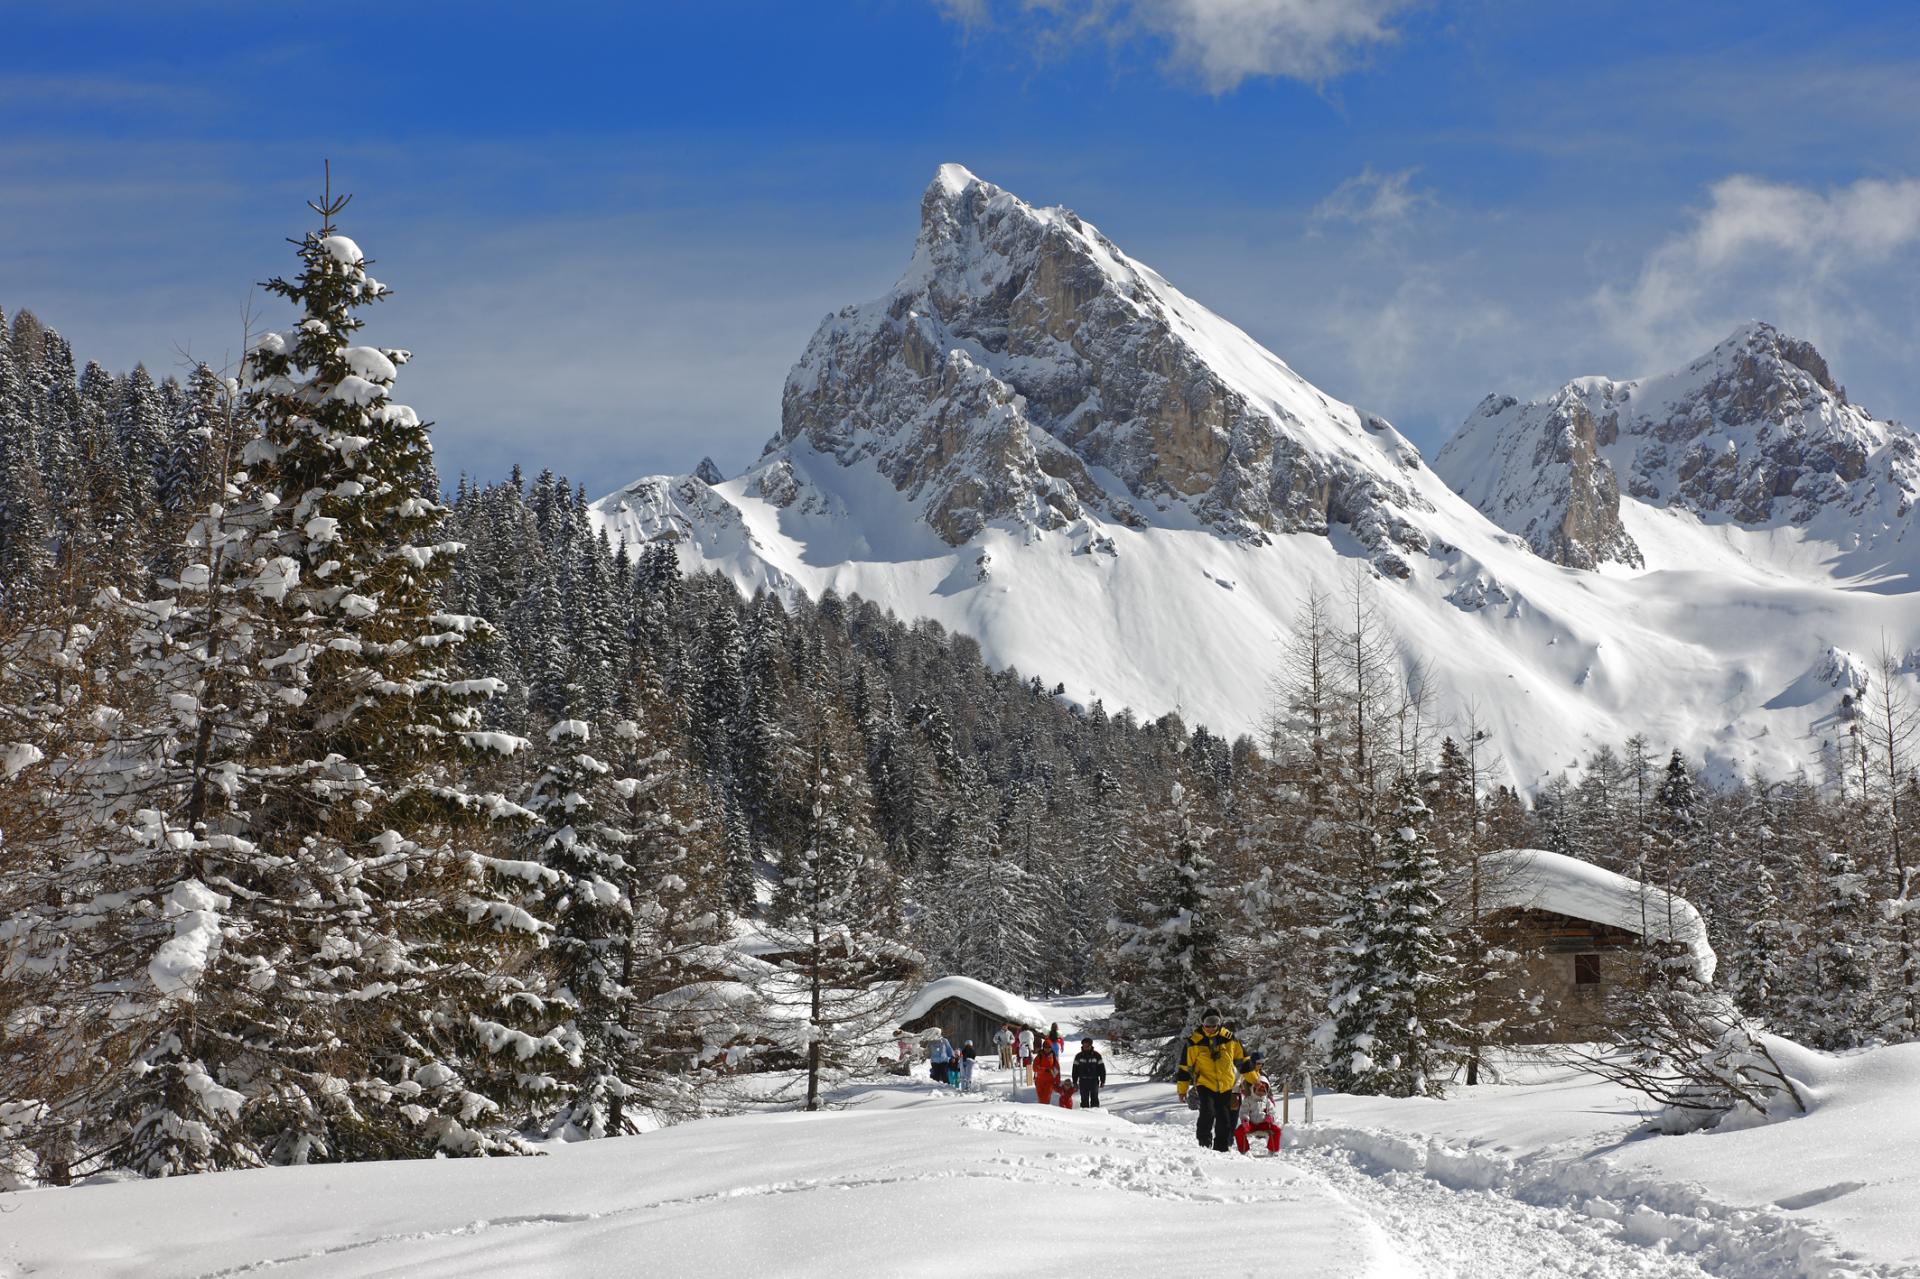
column 1757, row 430
column 1036, row 441
column 1024, row 369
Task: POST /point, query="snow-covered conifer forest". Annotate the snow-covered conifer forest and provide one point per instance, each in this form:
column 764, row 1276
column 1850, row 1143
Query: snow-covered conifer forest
column 349, row 813
column 308, row 768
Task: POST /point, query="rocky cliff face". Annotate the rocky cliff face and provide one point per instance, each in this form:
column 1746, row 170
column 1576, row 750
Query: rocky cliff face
column 1537, row 470
column 1025, row 369
column 1756, row 431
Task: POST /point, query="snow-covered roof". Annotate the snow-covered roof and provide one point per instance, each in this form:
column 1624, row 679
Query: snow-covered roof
column 1007, row 1007
column 1535, row 879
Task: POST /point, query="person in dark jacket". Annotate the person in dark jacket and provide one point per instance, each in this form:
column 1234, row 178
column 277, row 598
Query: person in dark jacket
column 1089, row 1072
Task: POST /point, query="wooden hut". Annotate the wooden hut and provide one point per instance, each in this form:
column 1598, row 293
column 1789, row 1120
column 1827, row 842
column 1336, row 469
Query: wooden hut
column 966, row 1009
column 1577, row 929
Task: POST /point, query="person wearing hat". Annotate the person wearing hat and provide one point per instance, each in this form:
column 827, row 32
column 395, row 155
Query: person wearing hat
column 1209, row 1071
column 1089, row 1072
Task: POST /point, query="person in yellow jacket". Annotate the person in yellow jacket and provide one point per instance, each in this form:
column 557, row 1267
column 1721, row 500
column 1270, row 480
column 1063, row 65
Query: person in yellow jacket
column 1209, row 1071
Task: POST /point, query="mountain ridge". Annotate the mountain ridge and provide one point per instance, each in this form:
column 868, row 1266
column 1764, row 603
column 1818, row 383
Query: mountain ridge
column 929, row 461
column 1023, row 367
column 1756, row 431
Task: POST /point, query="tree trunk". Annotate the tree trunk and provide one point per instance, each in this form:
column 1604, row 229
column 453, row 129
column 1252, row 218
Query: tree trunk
column 813, row 1023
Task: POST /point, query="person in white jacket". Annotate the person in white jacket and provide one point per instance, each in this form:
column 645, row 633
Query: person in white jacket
column 1026, row 1054
column 1253, row 1100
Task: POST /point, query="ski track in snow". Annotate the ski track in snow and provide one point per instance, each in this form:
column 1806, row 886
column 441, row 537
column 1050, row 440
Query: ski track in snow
column 1435, row 1231
column 1465, row 1234
column 1419, row 1208
column 1432, row 1230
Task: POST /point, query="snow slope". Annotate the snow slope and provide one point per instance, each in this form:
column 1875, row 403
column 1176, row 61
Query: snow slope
column 1540, row 1175
column 1833, row 1193
column 1038, row 442
column 850, row 1193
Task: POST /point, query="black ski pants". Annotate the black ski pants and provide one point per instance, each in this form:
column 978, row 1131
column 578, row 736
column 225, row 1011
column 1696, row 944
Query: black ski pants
column 1215, row 1126
column 1089, row 1093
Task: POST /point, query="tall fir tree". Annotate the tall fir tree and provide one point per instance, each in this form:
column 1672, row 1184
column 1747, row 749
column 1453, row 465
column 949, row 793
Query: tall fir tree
column 1170, row 958
column 411, row 1024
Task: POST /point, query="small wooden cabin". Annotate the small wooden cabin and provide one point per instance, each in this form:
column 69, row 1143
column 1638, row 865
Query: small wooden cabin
column 1571, row 963
column 1577, row 928
column 966, row 1009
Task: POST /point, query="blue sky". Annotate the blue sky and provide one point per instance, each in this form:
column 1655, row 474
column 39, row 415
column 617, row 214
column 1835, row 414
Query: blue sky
column 611, row 229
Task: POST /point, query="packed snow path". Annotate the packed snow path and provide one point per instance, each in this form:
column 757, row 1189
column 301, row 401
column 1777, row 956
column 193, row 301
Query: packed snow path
column 915, row 1181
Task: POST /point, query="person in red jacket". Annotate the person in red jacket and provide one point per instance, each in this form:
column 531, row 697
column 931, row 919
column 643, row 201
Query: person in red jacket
column 1046, row 1074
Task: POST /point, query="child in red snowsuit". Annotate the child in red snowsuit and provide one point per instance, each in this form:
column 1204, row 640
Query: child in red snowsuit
column 1254, row 1100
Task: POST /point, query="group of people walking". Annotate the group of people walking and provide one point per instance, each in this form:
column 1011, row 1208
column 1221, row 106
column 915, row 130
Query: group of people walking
column 1221, row 1082
column 948, row 1065
column 1020, row 1046
column 1087, row 1074
column 1033, row 1057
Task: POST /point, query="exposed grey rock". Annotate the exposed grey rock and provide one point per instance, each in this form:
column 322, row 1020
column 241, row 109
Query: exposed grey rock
column 1756, row 430
column 1025, row 369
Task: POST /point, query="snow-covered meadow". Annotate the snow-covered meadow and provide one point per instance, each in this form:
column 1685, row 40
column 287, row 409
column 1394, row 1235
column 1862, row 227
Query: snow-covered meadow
column 1547, row 1173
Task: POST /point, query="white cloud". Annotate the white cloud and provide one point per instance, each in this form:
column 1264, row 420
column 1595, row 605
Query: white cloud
column 1373, row 200
column 1811, row 261
column 1216, row 43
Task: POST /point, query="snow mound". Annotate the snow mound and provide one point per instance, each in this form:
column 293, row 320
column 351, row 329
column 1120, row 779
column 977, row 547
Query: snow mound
column 1532, row 878
column 1008, row 1007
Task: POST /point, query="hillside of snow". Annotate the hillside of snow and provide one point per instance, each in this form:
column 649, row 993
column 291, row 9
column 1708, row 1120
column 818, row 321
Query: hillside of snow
column 1038, row 442
column 1546, row 1173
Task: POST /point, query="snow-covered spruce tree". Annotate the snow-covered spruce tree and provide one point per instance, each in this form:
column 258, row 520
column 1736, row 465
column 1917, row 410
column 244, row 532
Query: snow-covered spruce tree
column 578, row 858
column 1356, row 1032
column 140, row 424
column 1399, row 994
column 1680, row 851
column 406, row 1020
column 1758, row 935
column 1429, row 991
column 26, row 525
column 1168, row 959
column 739, row 885
column 680, row 922
column 841, row 981
column 1834, row 999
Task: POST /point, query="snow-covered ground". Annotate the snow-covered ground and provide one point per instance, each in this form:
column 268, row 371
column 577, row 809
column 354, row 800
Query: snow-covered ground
column 1536, row 1176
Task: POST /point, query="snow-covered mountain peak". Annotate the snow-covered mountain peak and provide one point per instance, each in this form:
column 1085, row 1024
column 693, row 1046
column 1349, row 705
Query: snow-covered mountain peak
column 1757, row 432
column 1024, row 369
column 1037, row 441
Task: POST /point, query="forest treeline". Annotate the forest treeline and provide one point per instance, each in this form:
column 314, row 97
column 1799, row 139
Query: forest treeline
column 342, row 817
